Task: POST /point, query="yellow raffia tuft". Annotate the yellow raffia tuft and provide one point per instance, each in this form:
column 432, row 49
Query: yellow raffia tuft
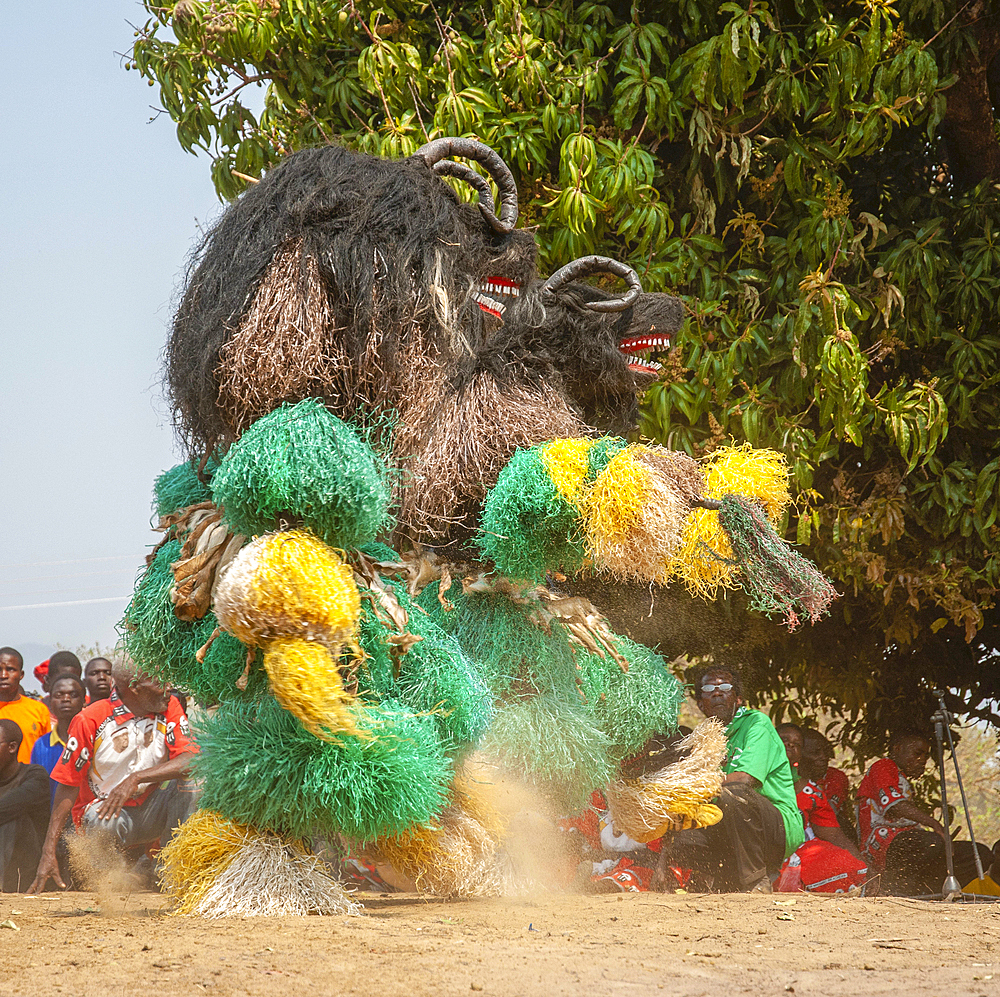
column 703, row 560
column 458, row 854
column 611, row 507
column 565, row 462
column 677, row 796
column 289, row 584
column 633, row 516
column 761, row 475
column 200, row 849
column 306, row 681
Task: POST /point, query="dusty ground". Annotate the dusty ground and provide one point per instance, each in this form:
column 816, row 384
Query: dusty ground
column 548, row 945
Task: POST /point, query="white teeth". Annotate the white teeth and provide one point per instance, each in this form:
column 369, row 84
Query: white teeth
column 494, row 289
column 488, row 302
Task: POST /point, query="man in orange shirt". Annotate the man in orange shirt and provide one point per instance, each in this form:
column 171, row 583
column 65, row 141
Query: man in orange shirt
column 29, row 714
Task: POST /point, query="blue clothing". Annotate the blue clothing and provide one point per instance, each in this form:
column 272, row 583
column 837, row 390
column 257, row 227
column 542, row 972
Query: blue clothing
column 46, row 752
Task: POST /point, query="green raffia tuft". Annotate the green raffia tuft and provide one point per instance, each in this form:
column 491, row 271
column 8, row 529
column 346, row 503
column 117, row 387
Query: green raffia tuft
column 301, row 463
column 601, row 454
column 776, row 577
column 165, row 647
column 434, row 676
column 379, row 551
column 180, row 487
column 638, row 703
column 495, row 634
column 552, row 743
column 261, row 767
column 527, row 527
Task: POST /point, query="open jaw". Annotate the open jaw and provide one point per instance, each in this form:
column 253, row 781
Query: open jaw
column 640, row 351
column 489, row 294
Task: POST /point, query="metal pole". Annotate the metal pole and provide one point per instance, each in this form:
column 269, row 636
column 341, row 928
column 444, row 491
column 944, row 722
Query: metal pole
column 958, row 776
column 951, row 888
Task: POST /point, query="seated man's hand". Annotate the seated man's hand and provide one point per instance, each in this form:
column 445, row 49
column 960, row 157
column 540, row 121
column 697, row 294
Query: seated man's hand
column 111, row 805
column 48, row 868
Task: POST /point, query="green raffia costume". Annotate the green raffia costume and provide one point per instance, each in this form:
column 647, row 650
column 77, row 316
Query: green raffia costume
column 353, row 677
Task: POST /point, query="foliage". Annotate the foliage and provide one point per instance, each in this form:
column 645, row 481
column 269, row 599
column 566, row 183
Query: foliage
column 783, row 165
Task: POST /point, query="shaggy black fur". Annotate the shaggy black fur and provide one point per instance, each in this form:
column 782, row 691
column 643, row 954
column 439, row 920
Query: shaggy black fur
column 398, row 254
column 565, row 344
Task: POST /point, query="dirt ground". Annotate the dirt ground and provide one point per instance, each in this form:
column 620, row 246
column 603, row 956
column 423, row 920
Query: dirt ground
column 548, row 944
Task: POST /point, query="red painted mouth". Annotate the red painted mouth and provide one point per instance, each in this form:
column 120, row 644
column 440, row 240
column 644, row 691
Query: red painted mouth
column 489, row 292
column 640, row 351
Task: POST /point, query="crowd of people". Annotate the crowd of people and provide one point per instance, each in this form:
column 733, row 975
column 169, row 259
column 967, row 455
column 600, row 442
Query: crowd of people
column 788, row 819
column 105, row 752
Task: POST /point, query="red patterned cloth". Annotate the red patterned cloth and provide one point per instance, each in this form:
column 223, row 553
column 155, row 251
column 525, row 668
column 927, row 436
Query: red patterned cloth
column 616, row 859
column 883, row 786
column 815, row 808
column 836, row 787
column 825, row 868
column 107, row 743
column 625, row 874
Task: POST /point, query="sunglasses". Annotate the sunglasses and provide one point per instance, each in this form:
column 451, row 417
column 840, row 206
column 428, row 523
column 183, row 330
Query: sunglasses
column 722, row 687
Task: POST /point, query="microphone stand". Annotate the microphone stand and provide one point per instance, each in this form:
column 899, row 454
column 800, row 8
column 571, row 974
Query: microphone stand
column 952, row 888
column 947, row 718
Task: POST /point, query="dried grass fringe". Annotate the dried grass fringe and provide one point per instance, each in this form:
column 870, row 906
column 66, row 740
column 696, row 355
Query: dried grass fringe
column 677, row 795
column 458, row 855
column 456, row 444
column 272, row 877
column 283, row 349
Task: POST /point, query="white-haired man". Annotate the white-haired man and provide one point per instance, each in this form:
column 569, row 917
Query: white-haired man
column 123, row 770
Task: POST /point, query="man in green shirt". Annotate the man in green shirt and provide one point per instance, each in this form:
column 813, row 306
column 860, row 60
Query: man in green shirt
column 761, row 825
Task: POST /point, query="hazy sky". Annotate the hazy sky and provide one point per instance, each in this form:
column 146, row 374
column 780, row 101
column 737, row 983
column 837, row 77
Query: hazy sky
column 99, row 211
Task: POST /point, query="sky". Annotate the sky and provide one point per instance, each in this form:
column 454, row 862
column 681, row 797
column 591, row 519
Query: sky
column 99, row 209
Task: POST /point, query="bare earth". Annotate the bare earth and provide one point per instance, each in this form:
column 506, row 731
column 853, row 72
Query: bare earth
column 547, row 945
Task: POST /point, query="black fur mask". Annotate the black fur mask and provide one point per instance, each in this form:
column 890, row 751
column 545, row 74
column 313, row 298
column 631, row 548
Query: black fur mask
column 339, row 275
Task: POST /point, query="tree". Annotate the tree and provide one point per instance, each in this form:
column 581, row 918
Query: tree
column 821, row 183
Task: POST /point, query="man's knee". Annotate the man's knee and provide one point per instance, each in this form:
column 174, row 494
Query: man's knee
column 117, row 828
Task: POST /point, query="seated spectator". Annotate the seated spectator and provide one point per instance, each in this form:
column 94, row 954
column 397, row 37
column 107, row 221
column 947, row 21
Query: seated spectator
column 610, row 860
column 989, row 885
column 760, row 825
column 817, row 752
column 891, row 826
column 29, row 714
column 24, row 806
column 123, row 771
column 828, row 860
column 61, row 663
column 67, row 700
column 97, row 679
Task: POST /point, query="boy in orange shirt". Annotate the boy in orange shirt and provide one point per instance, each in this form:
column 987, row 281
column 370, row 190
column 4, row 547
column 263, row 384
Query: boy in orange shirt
column 29, row 714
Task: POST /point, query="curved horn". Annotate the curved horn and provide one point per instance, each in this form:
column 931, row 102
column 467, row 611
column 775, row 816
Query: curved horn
column 469, row 148
column 449, row 168
column 596, row 264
